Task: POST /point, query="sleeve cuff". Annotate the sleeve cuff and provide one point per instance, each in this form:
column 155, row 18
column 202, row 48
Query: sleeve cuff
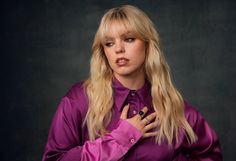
column 125, row 134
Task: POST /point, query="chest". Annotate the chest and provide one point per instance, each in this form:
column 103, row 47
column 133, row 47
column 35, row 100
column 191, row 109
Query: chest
column 145, row 149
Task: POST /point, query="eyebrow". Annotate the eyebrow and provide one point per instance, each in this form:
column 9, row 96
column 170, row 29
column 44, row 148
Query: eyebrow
column 106, row 38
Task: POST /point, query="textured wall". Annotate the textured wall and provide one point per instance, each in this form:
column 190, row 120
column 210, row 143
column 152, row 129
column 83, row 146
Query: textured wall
column 46, row 48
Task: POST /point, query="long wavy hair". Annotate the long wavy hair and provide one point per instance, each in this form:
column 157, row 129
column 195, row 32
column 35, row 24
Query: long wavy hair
column 166, row 100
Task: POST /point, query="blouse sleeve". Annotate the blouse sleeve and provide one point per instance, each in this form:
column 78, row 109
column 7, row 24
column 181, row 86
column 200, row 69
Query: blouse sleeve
column 64, row 139
column 207, row 147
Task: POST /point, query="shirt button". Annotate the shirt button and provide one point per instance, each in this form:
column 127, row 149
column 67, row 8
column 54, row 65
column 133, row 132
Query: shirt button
column 132, row 140
column 132, row 94
column 134, row 112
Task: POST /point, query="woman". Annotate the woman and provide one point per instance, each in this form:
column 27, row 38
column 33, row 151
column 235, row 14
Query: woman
column 128, row 109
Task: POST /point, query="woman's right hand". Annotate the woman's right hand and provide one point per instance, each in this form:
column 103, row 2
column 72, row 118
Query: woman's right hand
column 143, row 124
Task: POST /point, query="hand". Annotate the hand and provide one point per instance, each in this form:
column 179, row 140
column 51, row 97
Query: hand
column 143, row 124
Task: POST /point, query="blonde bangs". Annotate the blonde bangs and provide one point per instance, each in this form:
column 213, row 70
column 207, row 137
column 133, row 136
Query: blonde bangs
column 126, row 20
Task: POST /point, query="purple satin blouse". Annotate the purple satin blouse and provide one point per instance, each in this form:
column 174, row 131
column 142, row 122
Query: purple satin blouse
column 68, row 138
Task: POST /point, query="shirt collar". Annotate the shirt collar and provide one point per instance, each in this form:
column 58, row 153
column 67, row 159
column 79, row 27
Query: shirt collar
column 121, row 93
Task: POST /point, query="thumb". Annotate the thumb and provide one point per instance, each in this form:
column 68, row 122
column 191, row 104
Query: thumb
column 124, row 112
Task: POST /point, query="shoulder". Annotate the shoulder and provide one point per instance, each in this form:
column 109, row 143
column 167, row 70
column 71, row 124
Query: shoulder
column 76, row 101
column 189, row 109
column 76, row 91
column 191, row 113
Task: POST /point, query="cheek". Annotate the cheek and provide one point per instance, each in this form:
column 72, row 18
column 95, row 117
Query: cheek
column 140, row 46
column 141, row 53
column 109, row 59
column 106, row 54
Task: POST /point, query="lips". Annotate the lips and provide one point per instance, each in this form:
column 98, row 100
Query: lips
column 122, row 61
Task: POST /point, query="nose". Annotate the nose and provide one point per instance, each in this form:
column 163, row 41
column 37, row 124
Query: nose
column 119, row 47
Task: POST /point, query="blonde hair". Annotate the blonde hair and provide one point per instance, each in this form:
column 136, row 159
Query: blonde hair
column 166, row 99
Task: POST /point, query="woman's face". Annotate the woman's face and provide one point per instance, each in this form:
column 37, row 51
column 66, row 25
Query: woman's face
column 125, row 52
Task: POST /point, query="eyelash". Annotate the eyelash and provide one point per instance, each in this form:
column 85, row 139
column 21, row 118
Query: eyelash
column 129, row 40
column 109, row 44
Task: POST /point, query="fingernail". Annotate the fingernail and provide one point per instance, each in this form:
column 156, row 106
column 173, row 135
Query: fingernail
column 127, row 105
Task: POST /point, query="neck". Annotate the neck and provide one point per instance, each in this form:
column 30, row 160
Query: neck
column 133, row 83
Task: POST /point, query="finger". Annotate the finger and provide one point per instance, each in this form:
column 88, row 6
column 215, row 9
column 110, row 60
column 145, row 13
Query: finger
column 152, row 116
column 149, row 118
column 124, row 112
column 149, row 134
column 150, row 126
column 146, row 120
column 144, row 110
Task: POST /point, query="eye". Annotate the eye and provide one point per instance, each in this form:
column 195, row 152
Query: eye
column 108, row 44
column 130, row 39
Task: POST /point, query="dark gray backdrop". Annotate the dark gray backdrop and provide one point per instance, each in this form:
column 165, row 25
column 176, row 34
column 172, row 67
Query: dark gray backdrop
column 46, row 48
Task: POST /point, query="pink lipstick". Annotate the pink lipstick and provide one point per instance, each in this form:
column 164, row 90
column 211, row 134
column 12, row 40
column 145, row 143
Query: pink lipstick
column 122, row 61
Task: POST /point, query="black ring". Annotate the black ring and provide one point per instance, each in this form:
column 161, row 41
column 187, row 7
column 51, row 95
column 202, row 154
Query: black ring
column 141, row 113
